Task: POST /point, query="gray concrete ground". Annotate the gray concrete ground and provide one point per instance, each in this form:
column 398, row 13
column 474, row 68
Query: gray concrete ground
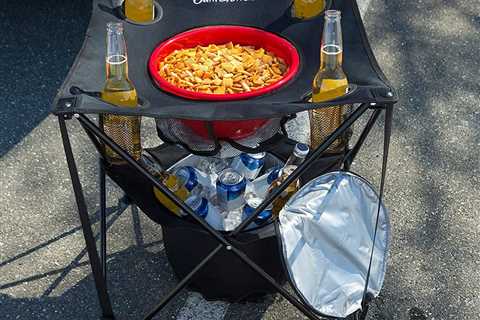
column 429, row 50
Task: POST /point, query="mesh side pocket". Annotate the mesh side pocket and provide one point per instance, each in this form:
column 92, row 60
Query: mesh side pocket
column 176, row 132
column 325, row 121
column 125, row 131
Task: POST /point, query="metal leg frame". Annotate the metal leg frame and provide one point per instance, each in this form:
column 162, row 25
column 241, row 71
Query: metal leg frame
column 386, row 148
column 103, row 203
column 103, row 221
column 92, row 129
column 351, row 154
column 95, row 262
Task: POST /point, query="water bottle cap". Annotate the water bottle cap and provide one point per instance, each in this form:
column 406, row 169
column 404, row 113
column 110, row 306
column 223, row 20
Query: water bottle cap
column 258, row 156
column 301, row 149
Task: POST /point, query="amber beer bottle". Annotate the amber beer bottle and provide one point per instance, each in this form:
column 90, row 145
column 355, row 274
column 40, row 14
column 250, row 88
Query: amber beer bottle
column 169, row 180
column 298, row 156
column 329, row 83
column 119, row 91
column 307, row 9
column 139, row 10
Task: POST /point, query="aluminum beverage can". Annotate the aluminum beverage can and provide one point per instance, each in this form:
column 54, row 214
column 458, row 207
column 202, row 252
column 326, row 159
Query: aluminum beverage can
column 251, row 205
column 199, row 205
column 231, row 187
column 249, row 164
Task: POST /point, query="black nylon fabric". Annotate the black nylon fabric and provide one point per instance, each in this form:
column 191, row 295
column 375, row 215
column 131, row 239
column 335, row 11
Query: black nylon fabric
column 88, row 72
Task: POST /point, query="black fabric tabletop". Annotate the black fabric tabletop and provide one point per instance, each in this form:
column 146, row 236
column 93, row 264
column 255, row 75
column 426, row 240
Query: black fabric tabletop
column 88, row 71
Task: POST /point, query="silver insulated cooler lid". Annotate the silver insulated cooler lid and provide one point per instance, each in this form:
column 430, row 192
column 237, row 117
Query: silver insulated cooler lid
column 327, row 231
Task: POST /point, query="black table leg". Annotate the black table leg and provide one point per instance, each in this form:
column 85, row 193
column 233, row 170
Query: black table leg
column 103, row 221
column 103, row 202
column 86, row 225
column 352, row 154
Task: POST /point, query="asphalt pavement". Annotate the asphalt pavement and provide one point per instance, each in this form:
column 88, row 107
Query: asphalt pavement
column 428, row 49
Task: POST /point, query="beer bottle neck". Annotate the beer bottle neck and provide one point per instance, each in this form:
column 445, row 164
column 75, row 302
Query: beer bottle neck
column 117, row 67
column 295, row 160
column 117, row 59
column 331, row 58
column 332, row 43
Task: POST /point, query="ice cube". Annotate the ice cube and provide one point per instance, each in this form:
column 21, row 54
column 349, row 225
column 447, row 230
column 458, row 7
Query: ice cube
column 233, row 219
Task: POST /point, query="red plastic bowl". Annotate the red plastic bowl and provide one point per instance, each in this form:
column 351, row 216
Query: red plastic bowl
column 222, row 34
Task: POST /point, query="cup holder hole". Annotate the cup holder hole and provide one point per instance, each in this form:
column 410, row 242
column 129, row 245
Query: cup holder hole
column 158, row 15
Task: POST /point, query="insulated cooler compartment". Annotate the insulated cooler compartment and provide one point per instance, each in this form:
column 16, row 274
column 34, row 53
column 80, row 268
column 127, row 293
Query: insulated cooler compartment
column 225, row 277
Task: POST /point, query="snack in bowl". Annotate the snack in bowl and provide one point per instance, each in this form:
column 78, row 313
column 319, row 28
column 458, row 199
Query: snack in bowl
column 222, row 69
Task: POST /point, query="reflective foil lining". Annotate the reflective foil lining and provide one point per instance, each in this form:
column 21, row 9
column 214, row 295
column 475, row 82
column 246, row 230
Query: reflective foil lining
column 327, row 231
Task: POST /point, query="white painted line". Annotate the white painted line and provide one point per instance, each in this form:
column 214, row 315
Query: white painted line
column 197, row 308
column 363, row 6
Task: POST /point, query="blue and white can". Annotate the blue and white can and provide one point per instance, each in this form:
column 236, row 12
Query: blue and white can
column 249, row 164
column 199, row 205
column 252, row 204
column 231, row 187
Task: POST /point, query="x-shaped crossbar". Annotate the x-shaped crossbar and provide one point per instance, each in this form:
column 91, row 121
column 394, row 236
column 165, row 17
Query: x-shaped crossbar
column 98, row 263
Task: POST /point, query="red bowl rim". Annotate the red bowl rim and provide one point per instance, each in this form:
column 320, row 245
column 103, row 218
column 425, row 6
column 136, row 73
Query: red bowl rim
column 163, row 84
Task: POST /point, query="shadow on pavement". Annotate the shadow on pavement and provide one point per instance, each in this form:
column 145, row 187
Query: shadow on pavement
column 137, row 280
column 38, row 42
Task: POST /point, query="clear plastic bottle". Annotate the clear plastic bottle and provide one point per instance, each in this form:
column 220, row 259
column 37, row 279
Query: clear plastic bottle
column 196, row 181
